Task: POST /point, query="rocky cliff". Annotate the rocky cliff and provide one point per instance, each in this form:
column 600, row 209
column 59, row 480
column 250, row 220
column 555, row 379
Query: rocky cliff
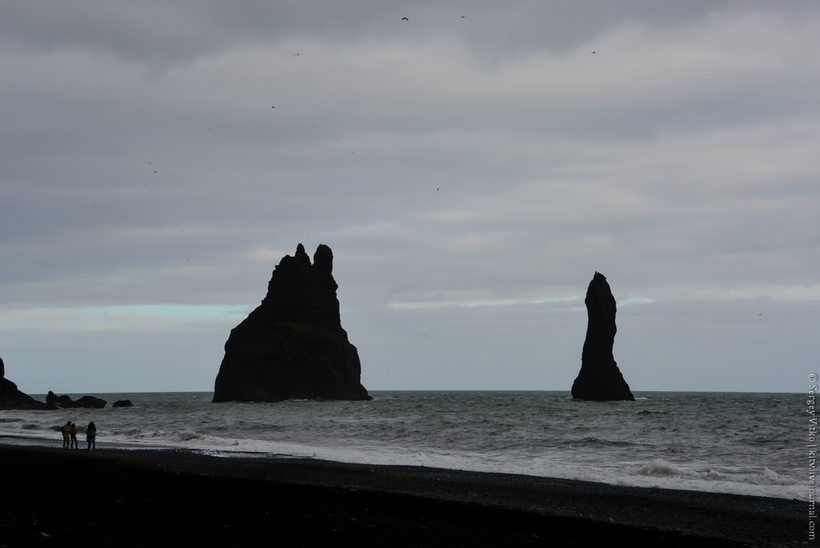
column 600, row 379
column 293, row 345
column 12, row 398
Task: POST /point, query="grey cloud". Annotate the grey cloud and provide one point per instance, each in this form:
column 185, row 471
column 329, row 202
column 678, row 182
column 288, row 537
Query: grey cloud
column 155, row 31
column 449, row 163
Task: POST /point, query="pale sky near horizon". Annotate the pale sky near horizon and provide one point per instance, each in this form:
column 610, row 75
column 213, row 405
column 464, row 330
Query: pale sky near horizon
column 471, row 168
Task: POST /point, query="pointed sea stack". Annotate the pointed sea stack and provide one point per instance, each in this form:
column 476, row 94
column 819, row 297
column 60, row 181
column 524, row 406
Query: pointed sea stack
column 600, row 379
column 293, row 345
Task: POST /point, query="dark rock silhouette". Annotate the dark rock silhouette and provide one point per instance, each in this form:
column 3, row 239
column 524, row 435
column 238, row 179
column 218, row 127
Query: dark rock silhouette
column 122, row 403
column 293, row 345
column 59, row 401
column 12, row 398
column 600, row 379
column 89, row 402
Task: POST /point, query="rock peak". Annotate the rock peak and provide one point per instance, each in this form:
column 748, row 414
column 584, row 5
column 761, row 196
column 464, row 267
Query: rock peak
column 302, row 257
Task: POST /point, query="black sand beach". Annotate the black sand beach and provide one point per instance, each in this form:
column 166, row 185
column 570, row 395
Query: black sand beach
column 55, row 497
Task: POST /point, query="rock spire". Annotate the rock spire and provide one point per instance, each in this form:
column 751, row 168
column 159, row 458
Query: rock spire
column 600, row 379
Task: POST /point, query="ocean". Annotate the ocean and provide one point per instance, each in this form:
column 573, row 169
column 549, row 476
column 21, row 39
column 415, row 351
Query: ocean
column 743, row 443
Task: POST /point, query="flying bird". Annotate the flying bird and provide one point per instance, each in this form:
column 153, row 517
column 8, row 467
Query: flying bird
column 405, row 19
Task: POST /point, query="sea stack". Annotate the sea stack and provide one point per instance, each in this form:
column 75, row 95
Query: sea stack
column 293, row 345
column 600, row 379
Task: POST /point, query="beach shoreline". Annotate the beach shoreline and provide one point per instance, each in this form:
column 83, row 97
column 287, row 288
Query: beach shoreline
column 138, row 498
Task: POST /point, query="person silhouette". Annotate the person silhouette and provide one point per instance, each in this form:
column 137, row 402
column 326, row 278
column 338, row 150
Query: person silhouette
column 73, row 432
column 66, row 430
column 91, row 436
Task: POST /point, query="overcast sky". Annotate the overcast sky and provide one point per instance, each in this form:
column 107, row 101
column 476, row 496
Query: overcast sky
column 471, row 167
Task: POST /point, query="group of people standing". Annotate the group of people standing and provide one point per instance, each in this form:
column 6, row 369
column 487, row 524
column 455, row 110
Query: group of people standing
column 70, row 436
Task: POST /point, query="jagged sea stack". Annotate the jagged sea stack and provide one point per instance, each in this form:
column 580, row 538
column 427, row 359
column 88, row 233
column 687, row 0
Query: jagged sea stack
column 600, row 379
column 293, row 345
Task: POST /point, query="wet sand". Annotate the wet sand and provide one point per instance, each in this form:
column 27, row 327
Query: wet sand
column 110, row 497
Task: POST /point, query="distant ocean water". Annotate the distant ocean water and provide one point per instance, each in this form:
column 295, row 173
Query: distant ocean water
column 745, row 443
